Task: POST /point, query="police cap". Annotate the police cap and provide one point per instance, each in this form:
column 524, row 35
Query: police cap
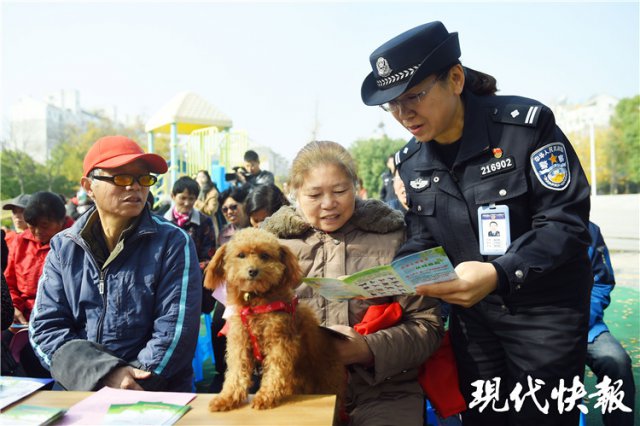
column 407, row 59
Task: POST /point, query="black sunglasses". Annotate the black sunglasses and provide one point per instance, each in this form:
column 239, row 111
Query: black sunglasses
column 232, row 207
column 127, row 180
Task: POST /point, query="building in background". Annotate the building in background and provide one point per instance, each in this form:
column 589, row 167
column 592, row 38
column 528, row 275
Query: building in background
column 273, row 162
column 37, row 126
column 578, row 117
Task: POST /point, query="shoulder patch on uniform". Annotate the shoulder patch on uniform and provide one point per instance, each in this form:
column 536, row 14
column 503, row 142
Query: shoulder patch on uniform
column 407, row 151
column 551, row 166
column 522, row 115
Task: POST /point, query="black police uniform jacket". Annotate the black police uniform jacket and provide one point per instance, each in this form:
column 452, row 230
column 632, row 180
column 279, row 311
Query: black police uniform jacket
column 547, row 258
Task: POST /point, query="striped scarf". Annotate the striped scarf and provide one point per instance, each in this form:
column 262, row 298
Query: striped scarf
column 181, row 218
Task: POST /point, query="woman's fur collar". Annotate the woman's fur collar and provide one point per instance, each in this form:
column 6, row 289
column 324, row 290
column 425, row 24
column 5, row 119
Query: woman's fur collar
column 369, row 215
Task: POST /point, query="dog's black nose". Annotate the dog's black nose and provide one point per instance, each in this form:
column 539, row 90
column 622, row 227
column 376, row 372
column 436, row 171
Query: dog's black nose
column 253, row 272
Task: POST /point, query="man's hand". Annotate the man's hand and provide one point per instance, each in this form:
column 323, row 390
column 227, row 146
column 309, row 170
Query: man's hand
column 353, row 350
column 125, row 378
column 475, row 281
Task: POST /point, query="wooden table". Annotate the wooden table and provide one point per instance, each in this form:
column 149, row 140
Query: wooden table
column 298, row 410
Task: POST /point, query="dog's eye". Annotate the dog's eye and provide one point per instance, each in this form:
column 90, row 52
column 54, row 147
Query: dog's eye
column 264, row 256
column 241, row 255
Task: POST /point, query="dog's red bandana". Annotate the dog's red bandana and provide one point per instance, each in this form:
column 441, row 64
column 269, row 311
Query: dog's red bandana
column 289, row 308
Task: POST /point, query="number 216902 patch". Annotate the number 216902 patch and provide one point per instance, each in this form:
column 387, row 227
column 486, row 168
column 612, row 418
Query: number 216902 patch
column 497, row 165
column 551, row 166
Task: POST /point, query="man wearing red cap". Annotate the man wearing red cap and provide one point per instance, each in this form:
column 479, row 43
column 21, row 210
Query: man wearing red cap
column 118, row 303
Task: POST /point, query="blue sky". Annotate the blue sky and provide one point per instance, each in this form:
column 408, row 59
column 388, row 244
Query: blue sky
column 272, row 67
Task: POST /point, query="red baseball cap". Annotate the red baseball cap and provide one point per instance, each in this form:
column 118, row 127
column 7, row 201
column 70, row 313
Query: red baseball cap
column 115, row 151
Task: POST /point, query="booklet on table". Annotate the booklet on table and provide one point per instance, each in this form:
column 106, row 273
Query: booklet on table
column 97, row 408
column 31, row 415
column 13, row 389
column 152, row 413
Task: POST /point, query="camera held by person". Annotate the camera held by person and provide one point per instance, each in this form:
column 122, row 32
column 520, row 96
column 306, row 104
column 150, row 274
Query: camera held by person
column 234, row 177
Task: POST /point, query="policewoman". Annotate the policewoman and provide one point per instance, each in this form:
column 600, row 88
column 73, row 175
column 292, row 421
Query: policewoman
column 520, row 303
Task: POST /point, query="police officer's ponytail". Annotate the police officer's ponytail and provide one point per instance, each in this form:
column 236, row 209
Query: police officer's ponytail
column 479, row 83
column 476, row 82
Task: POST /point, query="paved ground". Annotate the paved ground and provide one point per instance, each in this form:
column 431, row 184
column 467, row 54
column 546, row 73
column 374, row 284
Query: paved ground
column 626, row 267
column 619, row 219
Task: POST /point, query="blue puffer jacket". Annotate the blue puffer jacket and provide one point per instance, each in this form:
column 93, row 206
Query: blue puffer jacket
column 142, row 308
column 603, row 282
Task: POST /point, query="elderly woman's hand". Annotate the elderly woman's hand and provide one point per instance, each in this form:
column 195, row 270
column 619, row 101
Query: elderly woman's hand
column 353, row 350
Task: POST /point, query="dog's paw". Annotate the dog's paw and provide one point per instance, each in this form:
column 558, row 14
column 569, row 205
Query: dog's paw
column 264, row 401
column 223, row 403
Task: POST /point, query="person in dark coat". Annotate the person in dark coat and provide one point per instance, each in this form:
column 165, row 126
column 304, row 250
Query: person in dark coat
column 605, row 355
column 387, row 192
column 7, row 303
column 520, row 305
column 251, row 175
column 199, row 226
column 8, row 365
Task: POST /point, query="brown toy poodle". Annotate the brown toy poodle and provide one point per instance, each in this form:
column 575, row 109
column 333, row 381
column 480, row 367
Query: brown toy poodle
column 268, row 327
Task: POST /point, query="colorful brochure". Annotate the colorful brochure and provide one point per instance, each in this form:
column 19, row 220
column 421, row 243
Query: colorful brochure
column 13, row 389
column 94, row 409
column 402, row 276
column 151, row 413
column 31, row 415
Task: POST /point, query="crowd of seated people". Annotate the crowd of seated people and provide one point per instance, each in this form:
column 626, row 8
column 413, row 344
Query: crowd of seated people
column 322, row 216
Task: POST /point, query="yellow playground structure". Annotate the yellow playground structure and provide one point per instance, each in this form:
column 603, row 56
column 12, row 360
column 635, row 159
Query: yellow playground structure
column 210, row 144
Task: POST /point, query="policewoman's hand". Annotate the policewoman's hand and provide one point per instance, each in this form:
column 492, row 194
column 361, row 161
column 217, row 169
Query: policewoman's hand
column 475, row 281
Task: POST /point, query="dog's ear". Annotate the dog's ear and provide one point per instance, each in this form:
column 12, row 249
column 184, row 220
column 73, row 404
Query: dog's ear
column 214, row 274
column 292, row 271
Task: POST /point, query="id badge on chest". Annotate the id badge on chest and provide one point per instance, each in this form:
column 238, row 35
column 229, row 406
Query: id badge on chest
column 493, row 229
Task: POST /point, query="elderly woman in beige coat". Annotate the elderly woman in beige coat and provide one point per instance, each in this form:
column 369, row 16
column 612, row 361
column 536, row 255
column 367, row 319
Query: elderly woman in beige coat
column 333, row 233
